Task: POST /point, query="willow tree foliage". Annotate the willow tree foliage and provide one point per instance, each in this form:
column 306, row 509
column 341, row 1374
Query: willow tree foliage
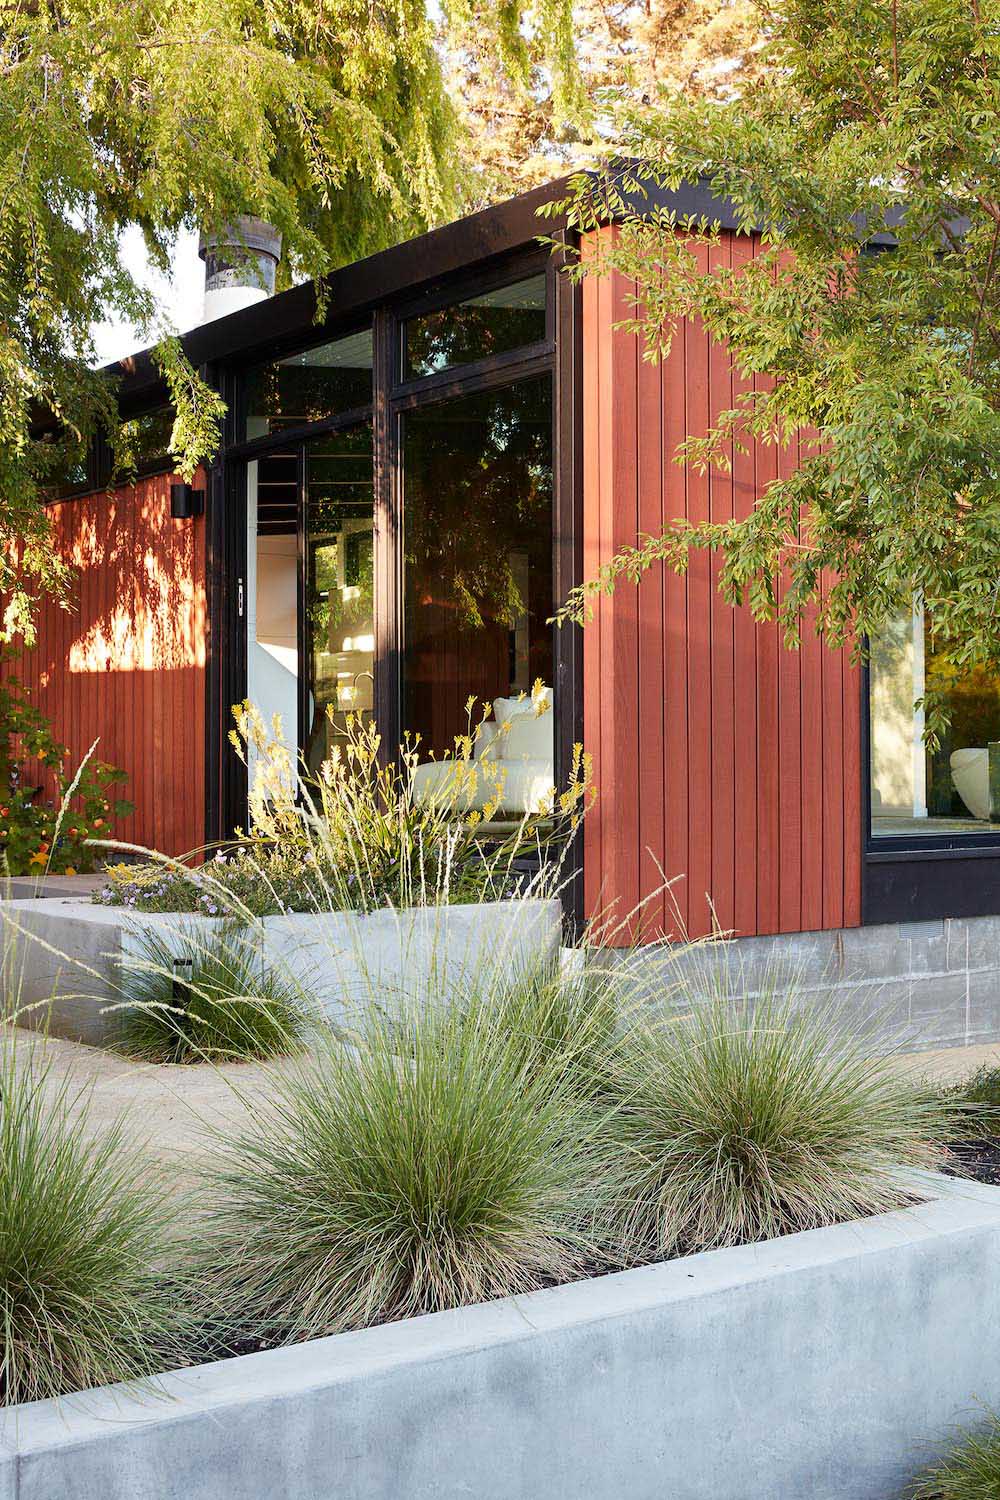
column 867, row 156
column 330, row 118
column 627, row 50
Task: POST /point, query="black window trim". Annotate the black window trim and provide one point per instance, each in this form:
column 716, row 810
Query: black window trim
column 560, row 357
column 925, row 877
column 523, row 266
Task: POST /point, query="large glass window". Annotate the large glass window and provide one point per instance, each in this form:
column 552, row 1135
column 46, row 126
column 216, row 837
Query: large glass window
column 339, row 604
column 327, row 483
column 955, row 788
column 477, row 475
column 310, row 386
column 148, row 437
column 491, row 323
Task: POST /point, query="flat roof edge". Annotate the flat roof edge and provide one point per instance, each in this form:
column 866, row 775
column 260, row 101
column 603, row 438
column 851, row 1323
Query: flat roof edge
column 352, row 290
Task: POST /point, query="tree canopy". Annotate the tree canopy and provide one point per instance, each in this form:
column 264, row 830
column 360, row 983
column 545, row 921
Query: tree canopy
column 865, row 155
column 627, row 51
column 329, row 118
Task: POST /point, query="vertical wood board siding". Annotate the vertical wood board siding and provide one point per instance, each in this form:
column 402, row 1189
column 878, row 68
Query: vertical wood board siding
column 124, row 664
column 724, row 763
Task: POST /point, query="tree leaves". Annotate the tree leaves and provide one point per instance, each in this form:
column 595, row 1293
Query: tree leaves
column 870, row 316
column 329, row 118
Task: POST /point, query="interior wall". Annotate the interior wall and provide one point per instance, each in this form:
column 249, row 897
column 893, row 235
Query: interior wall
column 724, row 763
column 124, row 663
column 272, row 623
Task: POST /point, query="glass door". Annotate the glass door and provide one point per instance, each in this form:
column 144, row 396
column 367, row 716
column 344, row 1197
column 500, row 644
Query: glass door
column 310, row 575
column 338, row 601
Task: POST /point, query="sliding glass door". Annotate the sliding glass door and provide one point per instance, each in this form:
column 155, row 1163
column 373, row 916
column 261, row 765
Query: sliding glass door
column 338, row 587
column 477, row 528
column 310, row 605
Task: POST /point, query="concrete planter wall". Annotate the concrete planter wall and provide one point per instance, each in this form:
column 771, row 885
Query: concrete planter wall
column 830, row 1365
column 68, row 955
column 914, row 985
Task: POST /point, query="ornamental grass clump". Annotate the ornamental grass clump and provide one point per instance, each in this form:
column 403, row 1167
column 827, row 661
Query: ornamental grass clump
column 206, row 996
column 739, row 1123
column 976, row 1100
column 439, row 1163
column 84, row 1239
column 970, row 1471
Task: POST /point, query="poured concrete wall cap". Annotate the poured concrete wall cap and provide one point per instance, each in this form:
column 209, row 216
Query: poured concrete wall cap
column 830, row 1365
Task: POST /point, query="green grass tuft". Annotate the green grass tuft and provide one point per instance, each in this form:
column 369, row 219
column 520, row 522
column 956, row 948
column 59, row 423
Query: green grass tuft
column 223, row 1007
column 970, row 1471
column 83, row 1228
column 738, row 1125
column 976, row 1101
column 445, row 1162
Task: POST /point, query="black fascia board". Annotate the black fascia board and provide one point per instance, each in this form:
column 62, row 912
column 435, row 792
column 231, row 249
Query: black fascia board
column 288, row 320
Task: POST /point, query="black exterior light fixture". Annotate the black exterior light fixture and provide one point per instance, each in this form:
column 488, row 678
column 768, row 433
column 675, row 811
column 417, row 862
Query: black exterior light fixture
column 185, row 502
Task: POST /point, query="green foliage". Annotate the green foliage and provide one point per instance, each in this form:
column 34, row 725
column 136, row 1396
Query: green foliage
column 356, row 838
column 329, row 118
column 442, row 1163
column 889, row 358
column 373, row 842
column 977, row 1101
column 84, row 1227
column 739, row 1124
column 39, row 832
column 521, row 138
column 205, row 996
column 565, row 1021
column 970, row 1471
column 250, row 880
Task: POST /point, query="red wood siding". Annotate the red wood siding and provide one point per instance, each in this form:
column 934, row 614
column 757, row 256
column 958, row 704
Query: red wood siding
column 125, row 663
column 723, row 762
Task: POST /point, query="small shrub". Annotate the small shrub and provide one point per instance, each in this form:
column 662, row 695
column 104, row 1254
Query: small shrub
column 976, row 1102
column 971, row 1471
column 355, row 837
column 738, row 1125
column 250, row 880
column 83, row 1227
column 438, row 1165
column 566, row 1023
column 204, row 996
column 47, row 814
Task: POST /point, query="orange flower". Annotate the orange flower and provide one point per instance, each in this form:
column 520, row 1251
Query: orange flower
column 98, row 822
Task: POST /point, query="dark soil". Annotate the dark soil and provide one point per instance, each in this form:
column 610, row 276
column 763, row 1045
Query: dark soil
column 979, row 1160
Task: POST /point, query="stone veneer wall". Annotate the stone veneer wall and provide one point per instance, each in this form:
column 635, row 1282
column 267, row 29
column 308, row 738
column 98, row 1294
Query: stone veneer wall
column 921, row 985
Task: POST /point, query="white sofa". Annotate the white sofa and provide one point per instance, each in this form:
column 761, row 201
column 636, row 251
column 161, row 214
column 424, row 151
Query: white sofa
column 513, row 763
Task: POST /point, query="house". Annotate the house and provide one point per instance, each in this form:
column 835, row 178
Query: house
column 405, row 492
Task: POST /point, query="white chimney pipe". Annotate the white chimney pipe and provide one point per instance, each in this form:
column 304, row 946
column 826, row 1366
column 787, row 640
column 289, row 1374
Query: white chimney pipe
column 240, row 264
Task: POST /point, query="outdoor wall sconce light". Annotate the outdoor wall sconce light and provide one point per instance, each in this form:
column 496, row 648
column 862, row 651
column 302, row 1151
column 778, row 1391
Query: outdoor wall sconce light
column 186, row 502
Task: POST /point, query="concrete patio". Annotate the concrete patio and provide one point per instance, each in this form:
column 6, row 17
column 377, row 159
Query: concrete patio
column 171, row 1109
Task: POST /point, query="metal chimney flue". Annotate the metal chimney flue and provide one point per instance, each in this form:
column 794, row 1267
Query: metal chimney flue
column 240, row 265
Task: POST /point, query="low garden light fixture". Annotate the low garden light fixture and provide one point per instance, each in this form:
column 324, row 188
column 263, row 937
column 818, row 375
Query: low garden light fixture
column 186, row 501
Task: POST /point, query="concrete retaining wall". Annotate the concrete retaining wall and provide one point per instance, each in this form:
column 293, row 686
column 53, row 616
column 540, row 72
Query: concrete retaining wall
column 920, row 985
column 65, row 956
column 830, row 1365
